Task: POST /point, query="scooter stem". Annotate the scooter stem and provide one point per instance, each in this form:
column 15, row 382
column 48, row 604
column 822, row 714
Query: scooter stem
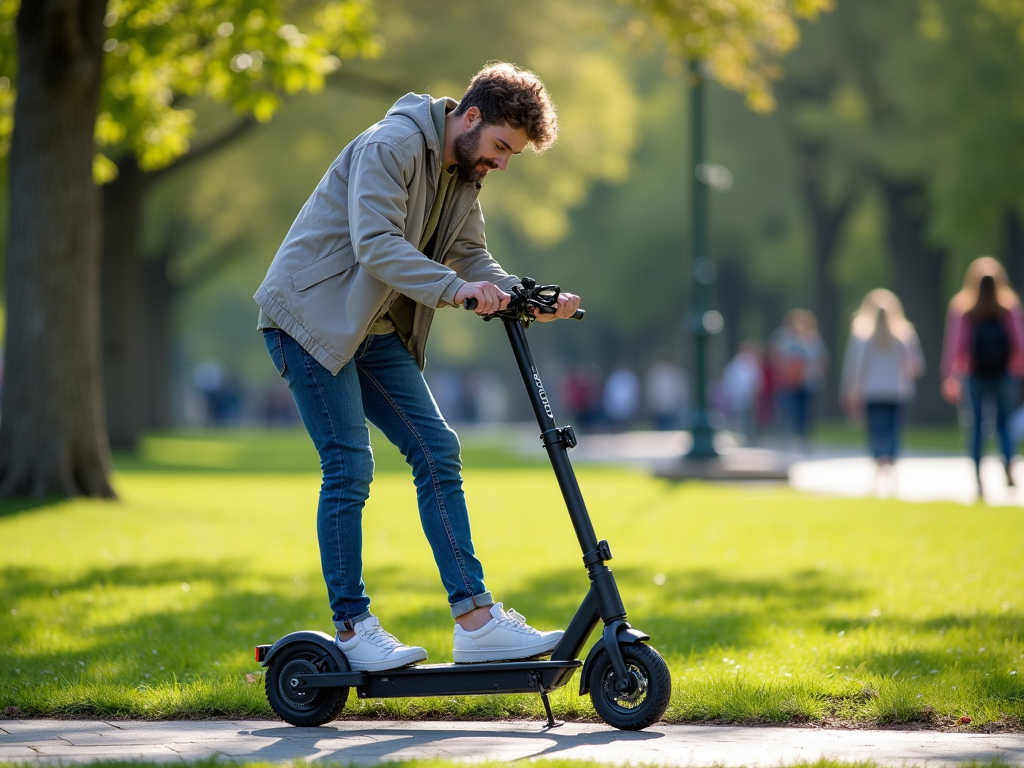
column 603, row 602
column 556, row 441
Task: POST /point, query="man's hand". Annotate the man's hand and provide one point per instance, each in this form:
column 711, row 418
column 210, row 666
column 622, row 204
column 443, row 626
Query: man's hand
column 489, row 297
column 567, row 305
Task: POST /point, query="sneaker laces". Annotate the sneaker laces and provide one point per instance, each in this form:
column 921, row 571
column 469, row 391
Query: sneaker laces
column 380, row 637
column 515, row 621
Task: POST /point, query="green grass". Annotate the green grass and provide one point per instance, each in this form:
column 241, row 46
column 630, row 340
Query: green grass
column 439, row 763
column 915, row 438
column 769, row 606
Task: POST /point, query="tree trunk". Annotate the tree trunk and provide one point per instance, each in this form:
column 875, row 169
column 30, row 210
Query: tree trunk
column 1013, row 248
column 138, row 299
column 159, row 295
column 52, row 437
column 122, row 312
column 827, row 220
column 919, row 268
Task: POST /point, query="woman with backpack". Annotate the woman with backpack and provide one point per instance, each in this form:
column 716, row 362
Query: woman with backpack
column 883, row 361
column 987, row 358
column 798, row 358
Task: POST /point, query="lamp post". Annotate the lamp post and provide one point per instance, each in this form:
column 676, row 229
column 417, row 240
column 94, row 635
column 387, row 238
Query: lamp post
column 704, row 322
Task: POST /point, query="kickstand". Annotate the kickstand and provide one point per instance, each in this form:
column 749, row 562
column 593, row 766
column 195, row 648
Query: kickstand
column 552, row 723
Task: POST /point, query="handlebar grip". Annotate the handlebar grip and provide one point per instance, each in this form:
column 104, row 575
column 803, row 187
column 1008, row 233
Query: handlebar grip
column 471, row 303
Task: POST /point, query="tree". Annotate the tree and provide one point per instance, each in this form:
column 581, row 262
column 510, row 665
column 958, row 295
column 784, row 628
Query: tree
column 159, row 56
column 52, row 439
column 740, row 40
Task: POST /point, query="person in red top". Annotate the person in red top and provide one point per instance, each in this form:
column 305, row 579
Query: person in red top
column 987, row 353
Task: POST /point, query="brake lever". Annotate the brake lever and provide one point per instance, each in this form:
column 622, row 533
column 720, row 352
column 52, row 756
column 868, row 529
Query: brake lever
column 527, row 295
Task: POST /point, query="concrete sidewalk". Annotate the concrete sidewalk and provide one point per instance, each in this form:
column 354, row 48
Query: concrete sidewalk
column 368, row 742
column 823, row 470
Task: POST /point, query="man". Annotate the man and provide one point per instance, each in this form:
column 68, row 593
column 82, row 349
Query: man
column 392, row 231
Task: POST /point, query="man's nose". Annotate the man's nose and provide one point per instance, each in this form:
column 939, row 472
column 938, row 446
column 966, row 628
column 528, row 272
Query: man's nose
column 501, row 162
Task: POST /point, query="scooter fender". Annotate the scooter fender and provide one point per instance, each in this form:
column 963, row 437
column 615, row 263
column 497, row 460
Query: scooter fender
column 625, row 636
column 321, row 639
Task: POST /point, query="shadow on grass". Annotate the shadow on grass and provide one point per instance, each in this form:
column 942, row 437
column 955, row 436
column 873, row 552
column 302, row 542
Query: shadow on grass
column 12, row 507
column 183, row 620
column 990, row 662
column 286, row 450
column 173, row 622
column 676, row 626
column 130, row 624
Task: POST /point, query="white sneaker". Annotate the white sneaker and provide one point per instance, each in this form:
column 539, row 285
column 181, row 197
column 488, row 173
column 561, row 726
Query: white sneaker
column 374, row 649
column 506, row 637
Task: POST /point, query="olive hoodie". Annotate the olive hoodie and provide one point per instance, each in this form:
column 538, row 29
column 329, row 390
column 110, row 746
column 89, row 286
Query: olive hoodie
column 352, row 250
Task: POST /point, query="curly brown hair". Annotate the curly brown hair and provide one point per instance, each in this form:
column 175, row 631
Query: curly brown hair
column 506, row 93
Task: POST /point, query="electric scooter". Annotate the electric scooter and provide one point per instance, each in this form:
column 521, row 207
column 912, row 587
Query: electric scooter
column 308, row 678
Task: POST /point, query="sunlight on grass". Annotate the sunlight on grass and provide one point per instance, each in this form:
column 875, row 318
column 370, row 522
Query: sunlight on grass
column 768, row 605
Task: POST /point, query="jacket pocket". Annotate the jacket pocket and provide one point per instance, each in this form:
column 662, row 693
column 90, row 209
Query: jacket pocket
column 327, row 267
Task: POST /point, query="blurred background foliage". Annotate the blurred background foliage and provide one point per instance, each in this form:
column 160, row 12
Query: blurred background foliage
column 883, row 149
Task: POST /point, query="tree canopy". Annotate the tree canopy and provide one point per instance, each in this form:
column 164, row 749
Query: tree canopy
column 162, row 55
column 741, row 40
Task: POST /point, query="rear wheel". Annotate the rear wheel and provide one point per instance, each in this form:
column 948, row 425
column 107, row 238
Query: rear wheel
column 303, row 706
column 646, row 699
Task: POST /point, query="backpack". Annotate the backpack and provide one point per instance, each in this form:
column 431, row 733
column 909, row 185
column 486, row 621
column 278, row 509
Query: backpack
column 990, row 348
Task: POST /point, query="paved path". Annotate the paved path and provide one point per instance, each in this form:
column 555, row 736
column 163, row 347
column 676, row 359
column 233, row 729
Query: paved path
column 915, row 478
column 825, row 471
column 67, row 741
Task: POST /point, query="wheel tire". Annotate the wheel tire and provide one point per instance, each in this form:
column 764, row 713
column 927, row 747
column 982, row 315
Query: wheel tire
column 647, row 700
column 311, row 706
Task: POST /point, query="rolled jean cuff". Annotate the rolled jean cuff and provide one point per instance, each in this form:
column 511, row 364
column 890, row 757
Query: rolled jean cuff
column 467, row 605
column 347, row 624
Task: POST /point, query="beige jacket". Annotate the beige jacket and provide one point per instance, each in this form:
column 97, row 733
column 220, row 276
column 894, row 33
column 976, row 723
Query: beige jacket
column 354, row 243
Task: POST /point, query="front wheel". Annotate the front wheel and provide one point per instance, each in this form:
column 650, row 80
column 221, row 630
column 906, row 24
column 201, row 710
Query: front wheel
column 303, row 706
column 649, row 691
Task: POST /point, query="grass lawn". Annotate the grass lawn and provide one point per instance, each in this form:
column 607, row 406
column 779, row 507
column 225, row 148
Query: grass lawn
column 916, row 438
column 769, row 605
column 438, row 763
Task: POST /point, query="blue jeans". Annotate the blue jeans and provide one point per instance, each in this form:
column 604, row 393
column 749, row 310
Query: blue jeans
column 884, row 422
column 999, row 391
column 382, row 384
column 797, row 406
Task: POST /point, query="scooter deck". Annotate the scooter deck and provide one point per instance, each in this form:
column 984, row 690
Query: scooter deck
column 449, row 679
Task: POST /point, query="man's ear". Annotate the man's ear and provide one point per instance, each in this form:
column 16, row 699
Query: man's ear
column 471, row 117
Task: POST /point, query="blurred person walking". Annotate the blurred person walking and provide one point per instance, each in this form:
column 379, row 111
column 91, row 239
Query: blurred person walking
column 953, row 389
column 742, row 381
column 882, row 363
column 666, row 394
column 392, row 232
column 582, row 393
column 799, row 357
column 988, row 356
column 621, row 397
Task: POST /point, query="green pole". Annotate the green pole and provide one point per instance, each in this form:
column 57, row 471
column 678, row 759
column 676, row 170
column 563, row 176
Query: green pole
column 703, row 274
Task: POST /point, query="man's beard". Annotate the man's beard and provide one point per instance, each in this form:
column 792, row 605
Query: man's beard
column 467, row 147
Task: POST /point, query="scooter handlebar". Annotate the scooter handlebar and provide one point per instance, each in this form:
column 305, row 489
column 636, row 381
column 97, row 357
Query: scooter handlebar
column 471, row 303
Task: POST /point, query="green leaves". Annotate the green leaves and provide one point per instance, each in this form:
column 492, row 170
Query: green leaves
column 242, row 53
column 597, row 108
column 160, row 54
column 738, row 39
